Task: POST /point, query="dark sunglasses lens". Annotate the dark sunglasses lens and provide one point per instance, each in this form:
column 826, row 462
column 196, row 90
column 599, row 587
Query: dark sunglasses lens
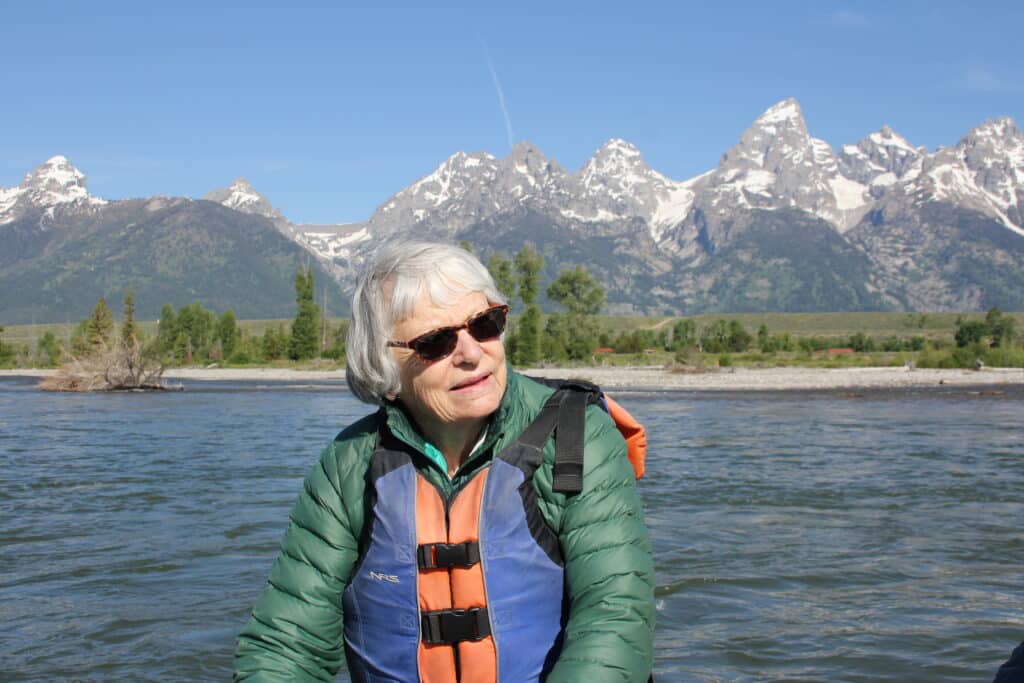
column 436, row 345
column 488, row 325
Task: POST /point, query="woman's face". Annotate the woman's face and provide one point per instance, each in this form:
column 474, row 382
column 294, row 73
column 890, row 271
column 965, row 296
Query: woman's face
column 461, row 388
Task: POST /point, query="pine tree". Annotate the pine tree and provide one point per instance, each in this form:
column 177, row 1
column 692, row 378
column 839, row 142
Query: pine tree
column 527, row 340
column 528, row 347
column 227, row 332
column 305, row 337
column 129, row 331
column 100, row 326
column 528, row 266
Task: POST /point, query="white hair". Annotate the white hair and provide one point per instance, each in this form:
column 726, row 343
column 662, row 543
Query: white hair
column 388, row 292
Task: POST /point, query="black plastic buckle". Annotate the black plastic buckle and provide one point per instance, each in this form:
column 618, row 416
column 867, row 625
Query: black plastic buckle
column 452, row 626
column 447, row 555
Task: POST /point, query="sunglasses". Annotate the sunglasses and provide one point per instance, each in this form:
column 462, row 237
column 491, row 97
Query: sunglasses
column 437, row 344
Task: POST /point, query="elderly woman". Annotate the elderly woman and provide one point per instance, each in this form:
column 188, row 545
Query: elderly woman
column 429, row 543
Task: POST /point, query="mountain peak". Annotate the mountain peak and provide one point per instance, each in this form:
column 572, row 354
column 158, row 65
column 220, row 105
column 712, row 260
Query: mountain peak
column 525, row 150
column 527, row 160
column 785, row 112
column 887, row 137
column 54, row 174
column 57, row 160
column 1002, row 127
column 620, row 147
column 615, row 159
column 880, row 160
column 54, row 182
column 241, row 196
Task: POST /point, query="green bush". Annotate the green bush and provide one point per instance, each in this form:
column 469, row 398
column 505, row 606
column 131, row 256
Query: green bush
column 1000, row 357
column 241, row 356
column 48, row 350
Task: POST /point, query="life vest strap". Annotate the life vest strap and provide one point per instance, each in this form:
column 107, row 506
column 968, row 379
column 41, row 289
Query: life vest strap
column 447, row 555
column 451, row 626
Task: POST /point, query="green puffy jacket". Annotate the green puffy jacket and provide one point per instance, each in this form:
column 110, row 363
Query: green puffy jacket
column 295, row 632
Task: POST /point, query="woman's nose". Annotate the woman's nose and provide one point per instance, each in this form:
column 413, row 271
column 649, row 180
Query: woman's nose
column 467, row 349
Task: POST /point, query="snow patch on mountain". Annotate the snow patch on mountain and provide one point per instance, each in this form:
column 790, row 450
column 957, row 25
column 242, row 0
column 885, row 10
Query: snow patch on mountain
column 672, row 208
column 340, row 243
column 849, row 194
column 8, row 197
column 601, row 215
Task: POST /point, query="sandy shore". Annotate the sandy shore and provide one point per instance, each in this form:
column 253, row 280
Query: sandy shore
column 658, row 378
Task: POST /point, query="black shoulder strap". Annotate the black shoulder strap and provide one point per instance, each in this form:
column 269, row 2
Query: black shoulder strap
column 537, row 432
column 568, row 472
column 564, row 413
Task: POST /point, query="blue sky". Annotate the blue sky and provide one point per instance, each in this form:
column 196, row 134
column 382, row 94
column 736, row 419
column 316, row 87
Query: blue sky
column 330, row 109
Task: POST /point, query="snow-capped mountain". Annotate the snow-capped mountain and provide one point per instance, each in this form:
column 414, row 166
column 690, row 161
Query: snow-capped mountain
column 616, row 184
column 948, row 235
column 468, row 188
column 781, row 223
column 613, row 186
column 983, row 172
column 775, row 165
column 55, row 183
column 241, row 196
column 677, row 228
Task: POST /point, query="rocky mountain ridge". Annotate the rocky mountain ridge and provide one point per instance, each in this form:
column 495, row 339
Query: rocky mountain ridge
column 896, row 217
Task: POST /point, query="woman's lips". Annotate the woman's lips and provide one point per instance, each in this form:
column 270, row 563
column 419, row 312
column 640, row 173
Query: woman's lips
column 472, row 382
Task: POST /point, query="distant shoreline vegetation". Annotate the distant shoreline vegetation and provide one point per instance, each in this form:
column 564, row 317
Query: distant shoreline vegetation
column 194, row 336
column 926, row 340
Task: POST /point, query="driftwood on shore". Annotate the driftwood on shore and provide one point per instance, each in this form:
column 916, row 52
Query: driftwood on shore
column 117, row 366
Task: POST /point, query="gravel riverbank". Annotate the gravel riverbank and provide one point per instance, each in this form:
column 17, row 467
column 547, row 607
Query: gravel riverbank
column 660, row 378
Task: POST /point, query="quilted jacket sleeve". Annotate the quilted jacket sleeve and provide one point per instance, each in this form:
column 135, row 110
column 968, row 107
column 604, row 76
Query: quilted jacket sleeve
column 295, row 632
column 609, row 569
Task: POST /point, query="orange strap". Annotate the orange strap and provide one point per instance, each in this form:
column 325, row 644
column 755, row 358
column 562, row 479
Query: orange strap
column 633, row 432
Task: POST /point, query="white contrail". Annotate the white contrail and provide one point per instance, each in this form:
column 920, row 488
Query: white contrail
column 501, row 101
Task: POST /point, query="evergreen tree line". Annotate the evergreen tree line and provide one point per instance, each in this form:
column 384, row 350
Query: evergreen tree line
column 194, row 335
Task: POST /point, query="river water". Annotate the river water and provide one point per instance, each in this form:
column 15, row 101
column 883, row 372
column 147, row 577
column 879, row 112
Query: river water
column 797, row 536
